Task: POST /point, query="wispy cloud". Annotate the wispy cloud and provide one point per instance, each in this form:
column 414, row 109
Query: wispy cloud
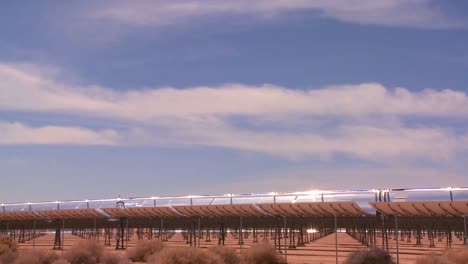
column 203, row 116
column 349, row 177
column 26, row 90
column 20, row 134
column 365, row 141
column 412, row 13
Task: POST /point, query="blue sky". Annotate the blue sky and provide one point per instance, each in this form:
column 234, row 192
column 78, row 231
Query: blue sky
column 99, row 99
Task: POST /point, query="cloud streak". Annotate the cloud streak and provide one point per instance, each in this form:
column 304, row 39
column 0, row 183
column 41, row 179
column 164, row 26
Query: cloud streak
column 205, row 116
column 20, row 134
column 25, row 91
column 413, row 13
column 365, row 141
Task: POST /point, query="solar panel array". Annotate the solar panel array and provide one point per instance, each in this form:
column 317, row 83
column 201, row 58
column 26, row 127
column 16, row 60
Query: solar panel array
column 404, row 202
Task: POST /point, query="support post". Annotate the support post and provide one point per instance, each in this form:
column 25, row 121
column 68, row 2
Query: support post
column 241, row 239
column 34, row 235
column 223, row 235
column 336, row 238
column 397, row 240
column 94, row 230
column 465, row 235
column 127, row 236
column 58, row 237
column 121, row 235
column 285, row 242
column 63, row 235
column 199, row 232
column 161, row 230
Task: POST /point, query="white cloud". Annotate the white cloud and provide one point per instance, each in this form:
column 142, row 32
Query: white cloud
column 346, row 178
column 412, row 13
column 367, row 117
column 26, row 91
column 19, row 134
column 365, row 141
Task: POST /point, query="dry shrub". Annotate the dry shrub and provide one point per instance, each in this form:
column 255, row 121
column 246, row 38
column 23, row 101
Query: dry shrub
column 36, row 257
column 6, row 242
column 85, row 252
column 114, row 258
column 370, row 256
column 456, row 256
column 185, row 256
column 144, row 249
column 262, row 253
column 61, row 261
column 459, row 256
column 227, row 254
column 433, row 260
column 8, row 250
column 8, row 257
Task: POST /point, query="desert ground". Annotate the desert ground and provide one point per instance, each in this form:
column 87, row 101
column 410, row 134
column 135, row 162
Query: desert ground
column 319, row 251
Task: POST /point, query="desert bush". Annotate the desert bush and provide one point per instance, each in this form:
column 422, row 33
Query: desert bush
column 144, row 249
column 185, row 256
column 227, row 254
column 114, row 258
column 8, row 250
column 370, row 256
column 85, row 252
column 262, row 253
column 456, row 256
column 61, row 261
column 7, row 242
column 432, row 259
column 452, row 256
column 36, row 257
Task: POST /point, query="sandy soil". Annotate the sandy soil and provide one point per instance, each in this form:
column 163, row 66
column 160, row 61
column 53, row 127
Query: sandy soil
column 319, row 251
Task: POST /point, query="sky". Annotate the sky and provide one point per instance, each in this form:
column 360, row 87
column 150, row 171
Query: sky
column 149, row 98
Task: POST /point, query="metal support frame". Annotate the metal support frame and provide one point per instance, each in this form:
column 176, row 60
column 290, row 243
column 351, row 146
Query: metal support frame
column 58, row 243
column 34, row 235
column 336, row 238
column 285, row 241
column 127, row 234
column 222, row 235
column 241, row 236
column 107, row 236
column 199, row 233
column 121, row 235
column 397, row 241
column 418, row 236
column 161, row 229
column 277, row 235
column 94, row 234
column 465, row 235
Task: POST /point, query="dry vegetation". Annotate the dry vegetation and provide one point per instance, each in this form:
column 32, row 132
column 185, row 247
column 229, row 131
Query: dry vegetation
column 144, row 249
column 85, row 252
column 262, row 254
column 61, row 261
column 227, row 254
column 257, row 254
column 154, row 252
column 185, row 256
column 370, row 256
column 8, row 250
column 449, row 257
column 114, row 258
column 36, row 257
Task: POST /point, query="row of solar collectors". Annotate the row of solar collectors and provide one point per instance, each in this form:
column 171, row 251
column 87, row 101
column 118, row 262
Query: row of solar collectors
column 297, row 209
column 362, row 198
